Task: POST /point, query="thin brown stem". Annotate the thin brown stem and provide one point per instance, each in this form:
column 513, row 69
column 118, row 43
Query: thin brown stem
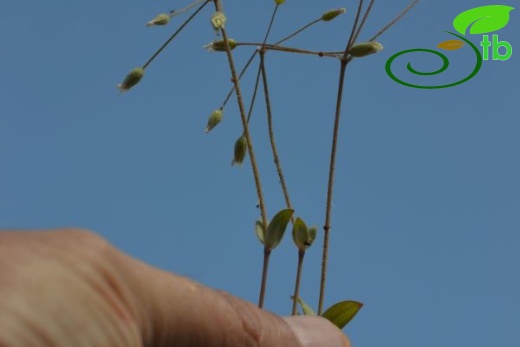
column 265, row 269
column 239, row 77
column 306, row 26
column 174, row 34
column 394, row 21
column 243, row 117
column 174, row 13
column 276, row 157
column 301, row 254
column 351, row 37
column 330, row 186
column 253, row 98
column 269, row 47
column 250, row 60
column 254, row 165
column 365, row 16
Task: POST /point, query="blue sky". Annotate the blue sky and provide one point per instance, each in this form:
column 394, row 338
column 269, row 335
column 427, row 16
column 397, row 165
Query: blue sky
column 425, row 226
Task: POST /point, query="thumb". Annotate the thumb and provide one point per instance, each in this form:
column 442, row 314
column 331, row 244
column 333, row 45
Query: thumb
column 174, row 311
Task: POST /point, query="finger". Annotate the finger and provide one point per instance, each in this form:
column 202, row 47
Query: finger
column 175, row 311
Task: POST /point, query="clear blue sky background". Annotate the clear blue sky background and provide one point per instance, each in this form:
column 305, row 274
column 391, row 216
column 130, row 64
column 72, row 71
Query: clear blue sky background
column 426, row 217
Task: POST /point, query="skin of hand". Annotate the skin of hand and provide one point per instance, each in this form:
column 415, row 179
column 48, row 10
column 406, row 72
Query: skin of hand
column 65, row 288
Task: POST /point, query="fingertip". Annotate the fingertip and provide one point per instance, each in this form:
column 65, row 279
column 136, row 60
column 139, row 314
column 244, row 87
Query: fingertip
column 316, row 332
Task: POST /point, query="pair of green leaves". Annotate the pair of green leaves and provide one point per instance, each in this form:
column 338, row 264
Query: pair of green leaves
column 339, row 314
column 272, row 236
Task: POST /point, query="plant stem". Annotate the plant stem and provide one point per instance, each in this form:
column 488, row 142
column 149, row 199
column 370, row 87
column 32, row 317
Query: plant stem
column 276, row 157
column 365, row 16
column 352, row 33
column 330, row 186
column 175, row 34
column 174, row 13
column 254, row 165
column 250, row 60
column 306, row 26
column 301, row 254
column 270, row 47
column 395, row 20
column 267, row 253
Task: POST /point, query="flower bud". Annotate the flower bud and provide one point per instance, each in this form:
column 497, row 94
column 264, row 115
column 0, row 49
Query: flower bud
column 213, row 120
column 218, row 19
column 365, row 48
column 303, row 237
column 131, row 79
column 279, row 2
column 240, row 151
column 160, row 19
column 220, row 46
column 330, row 15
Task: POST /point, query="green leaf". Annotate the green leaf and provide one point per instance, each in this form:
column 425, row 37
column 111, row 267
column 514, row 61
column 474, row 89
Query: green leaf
column 276, row 228
column 307, row 310
column 482, row 19
column 341, row 313
column 312, row 235
column 300, row 234
column 260, row 231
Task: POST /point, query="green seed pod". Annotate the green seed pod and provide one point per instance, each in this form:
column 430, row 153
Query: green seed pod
column 240, row 151
column 218, row 19
column 160, row 19
column 131, row 79
column 365, row 48
column 279, row 2
column 330, row 15
column 214, row 118
column 219, row 46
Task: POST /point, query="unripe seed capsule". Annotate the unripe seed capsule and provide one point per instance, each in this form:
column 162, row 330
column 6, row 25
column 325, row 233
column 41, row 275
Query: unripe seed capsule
column 214, row 118
column 160, row 19
column 131, row 79
column 330, row 15
column 365, row 48
column 220, row 46
column 240, row 151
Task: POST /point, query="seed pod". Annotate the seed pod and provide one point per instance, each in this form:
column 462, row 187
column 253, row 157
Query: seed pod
column 131, row 79
column 220, row 46
column 214, row 118
column 160, row 19
column 240, row 151
column 330, row 15
column 365, row 48
column 218, row 19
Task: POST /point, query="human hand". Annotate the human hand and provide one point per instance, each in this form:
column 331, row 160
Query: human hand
column 71, row 288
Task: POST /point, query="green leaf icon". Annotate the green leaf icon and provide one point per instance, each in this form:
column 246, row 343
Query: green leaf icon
column 482, row 20
column 274, row 233
column 342, row 312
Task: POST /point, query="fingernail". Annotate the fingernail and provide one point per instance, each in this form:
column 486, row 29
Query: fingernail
column 317, row 332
